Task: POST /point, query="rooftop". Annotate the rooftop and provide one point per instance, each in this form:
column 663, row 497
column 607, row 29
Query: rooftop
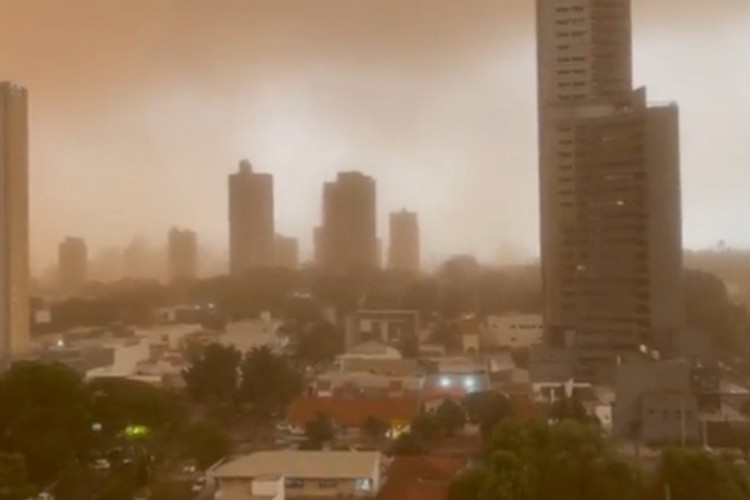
column 352, row 411
column 301, row 464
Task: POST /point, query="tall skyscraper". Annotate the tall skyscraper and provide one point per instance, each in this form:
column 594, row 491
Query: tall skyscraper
column 14, row 222
column 251, row 220
column 72, row 265
column 403, row 254
column 183, row 255
column 349, row 234
column 287, row 252
column 610, row 186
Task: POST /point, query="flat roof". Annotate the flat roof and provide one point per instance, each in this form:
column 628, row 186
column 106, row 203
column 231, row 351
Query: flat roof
column 301, row 464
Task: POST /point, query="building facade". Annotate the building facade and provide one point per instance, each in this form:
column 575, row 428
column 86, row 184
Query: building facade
column 183, row 255
column 403, row 253
column 251, row 220
column 287, row 252
column 610, row 188
column 349, row 232
column 14, row 222
column 72, row 265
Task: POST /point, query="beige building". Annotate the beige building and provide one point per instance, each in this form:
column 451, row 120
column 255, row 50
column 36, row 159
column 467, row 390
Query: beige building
column 14, row 222
column 403, row 253
column 349, row 232
column 287, row 252
column 72, row 265
column 302, row 474
column 251, row 220
column 183, row 255
column 610, row 187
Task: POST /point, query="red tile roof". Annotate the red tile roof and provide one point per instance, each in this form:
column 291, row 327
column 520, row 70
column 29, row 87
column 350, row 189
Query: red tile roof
column 352, row 411
column 424, row 467
column 414, row 490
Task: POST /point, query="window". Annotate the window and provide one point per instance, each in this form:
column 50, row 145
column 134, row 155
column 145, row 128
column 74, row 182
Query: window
column 293, row 483
column 327, row 484
column 363, row 484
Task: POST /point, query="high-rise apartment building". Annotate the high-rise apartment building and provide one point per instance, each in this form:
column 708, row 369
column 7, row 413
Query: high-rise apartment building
column 610, row 186
column 72, row 265
column 349, row 233
column 251, row 220
column 14, row 222
column 183, row 255
column 287, row 252
column 403, row 254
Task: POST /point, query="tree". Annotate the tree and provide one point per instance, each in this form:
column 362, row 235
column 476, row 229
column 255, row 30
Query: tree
column 319, row 431
column 537, row 460
column 425, row 427
column 14, row 484
column 487, row 409
column 318, row 344
column 375, row 427
column 44, row 412
column 269, row 382
column 206, row 443
column 450, row 417
column 211, row 376
column 692, row 474
column 117, row 403
column 407, row 444
column 567, row 408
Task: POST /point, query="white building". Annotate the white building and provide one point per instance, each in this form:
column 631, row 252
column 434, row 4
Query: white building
column 301, row 474
column 514, row 330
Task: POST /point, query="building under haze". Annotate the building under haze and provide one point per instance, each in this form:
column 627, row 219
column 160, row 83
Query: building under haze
column 349, row 232
column 14, row 222
column 251, row 220
column 610, row 186
column 403, row 253
column 183, row 255
column 72, row 265
column 286, row 252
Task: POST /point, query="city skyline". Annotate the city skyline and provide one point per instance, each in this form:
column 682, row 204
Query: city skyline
column 451, row 128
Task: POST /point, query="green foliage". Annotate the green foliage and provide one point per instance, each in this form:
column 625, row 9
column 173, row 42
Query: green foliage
column 319, row 431
column 487, row 409
column 269, row 382
column 206, row 443
column 43, row 416
column 375, row 428
column 14, row 484
column 407, row 444
column 567, row 408
column 212, row 374
column 318, row 344
column 117, row 403
column 538, row 461
column 691, row 474
column 425, row 427
column 450, row 417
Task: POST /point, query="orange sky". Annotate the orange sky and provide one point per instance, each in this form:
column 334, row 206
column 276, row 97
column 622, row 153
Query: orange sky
column 140, row 108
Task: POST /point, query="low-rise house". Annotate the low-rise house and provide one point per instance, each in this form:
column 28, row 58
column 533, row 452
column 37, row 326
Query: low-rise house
column 304, row 474
column 655, row 402
column 350, row 414
column 455, row 386
column 381, row 366
column 365, row 384
column 371, row 350
column 513, row 330
column 390, row 326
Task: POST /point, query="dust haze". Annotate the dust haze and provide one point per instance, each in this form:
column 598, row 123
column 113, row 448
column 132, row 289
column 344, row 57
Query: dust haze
column 141, row 108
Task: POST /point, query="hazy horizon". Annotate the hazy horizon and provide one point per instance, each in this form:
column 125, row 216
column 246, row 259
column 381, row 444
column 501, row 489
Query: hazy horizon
column 140, row 110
